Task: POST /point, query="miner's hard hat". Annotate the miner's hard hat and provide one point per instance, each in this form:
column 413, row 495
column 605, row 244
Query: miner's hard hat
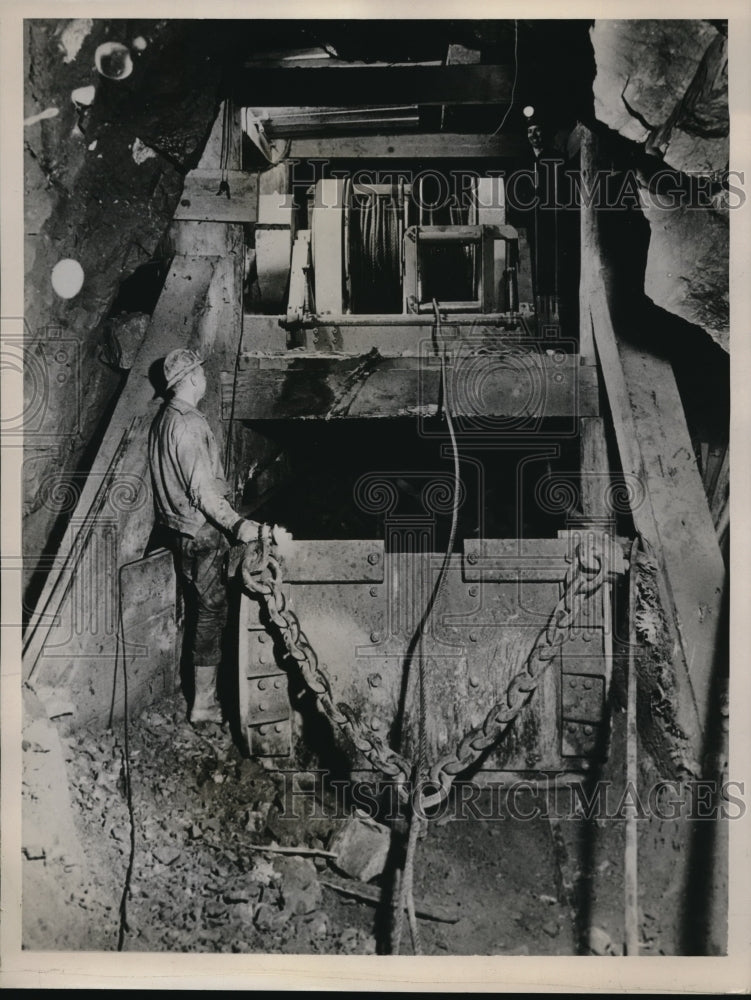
column 178, row 363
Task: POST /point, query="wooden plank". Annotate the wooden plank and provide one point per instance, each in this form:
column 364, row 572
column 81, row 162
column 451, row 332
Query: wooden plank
column 287, row 122
column 671, row 510
column 686, row 532
column 594, row 470
column 716, row 458
column 373, row 85
column 590, row 244
column 325, row 386
column 721, row 491
column 205, row 239
column 200, row 201
column 425, row 146
column 407, row 340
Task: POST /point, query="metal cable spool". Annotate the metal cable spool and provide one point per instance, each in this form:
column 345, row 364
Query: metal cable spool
column 375, row 222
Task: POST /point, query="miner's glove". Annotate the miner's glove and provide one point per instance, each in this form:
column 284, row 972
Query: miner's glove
column 282, row 539
column 246, row 531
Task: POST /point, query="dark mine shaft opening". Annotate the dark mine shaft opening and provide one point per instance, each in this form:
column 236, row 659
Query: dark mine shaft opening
column 345, row 479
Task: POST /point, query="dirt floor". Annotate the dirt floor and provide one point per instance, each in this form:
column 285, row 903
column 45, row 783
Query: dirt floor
column 190, row 822
column 160, row 837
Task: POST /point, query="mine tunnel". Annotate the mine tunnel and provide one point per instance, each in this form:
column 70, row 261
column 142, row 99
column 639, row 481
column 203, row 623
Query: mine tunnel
column 418, row 341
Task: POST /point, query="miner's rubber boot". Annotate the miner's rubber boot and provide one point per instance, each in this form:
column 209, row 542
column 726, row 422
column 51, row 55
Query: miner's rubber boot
column 205, row 704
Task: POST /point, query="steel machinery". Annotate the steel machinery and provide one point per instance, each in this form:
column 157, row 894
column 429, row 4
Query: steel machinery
column 379, row 305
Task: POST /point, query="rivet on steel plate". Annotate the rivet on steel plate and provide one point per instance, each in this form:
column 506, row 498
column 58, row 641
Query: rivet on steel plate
column 473, row 636
column 261, row 659
column 473, row 681
column 262, row 637
column 277, row 683
column 588, row 685
column 262, row 685
column 473, row 591
column 278, row 727
column 587, row 730
column 374, row 680
column 375, row 636
column 262, row 730
column 373, row 558
column 472, row 558
column 374, row 591
column 262, row 706
column 572, row 682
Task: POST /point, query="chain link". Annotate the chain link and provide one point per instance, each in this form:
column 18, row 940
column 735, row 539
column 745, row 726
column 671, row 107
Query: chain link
column 584, row 576
column 264, row 576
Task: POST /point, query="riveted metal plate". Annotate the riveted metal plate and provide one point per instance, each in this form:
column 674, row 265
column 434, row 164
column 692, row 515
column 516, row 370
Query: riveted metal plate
column 267, row 699
column 272, row 739
column 259, row 655
column 579, row 739
column 582, row 697
column 346, row 561
column 584, row 654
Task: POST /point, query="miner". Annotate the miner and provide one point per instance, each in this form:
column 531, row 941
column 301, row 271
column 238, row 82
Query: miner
column 191, row 501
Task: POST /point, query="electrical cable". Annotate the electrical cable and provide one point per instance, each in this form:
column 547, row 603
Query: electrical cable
column 228, row 442
column 405, row 892
column 224, row 152
column 516, row 72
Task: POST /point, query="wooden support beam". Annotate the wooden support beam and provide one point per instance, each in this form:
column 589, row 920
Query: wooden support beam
column 202, row 202
column 423, row 146
column 286, row 122
column 590, row 244
column 381, row 85
column 670, row 509
column 595, row 472
column 324, row 386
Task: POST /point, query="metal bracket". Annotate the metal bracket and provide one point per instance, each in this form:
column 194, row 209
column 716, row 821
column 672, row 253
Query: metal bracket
column 482, row 236
column 265, row 710
column 582, row 698
column 267, row 719
column 579, row 739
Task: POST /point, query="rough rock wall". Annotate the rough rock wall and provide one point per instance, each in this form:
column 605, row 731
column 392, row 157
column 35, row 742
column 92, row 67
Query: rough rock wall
column 105, row 160
column 664, row 85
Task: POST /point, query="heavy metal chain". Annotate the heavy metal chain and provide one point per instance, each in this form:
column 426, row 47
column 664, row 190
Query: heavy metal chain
column 583, row 578
column 265, row 578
